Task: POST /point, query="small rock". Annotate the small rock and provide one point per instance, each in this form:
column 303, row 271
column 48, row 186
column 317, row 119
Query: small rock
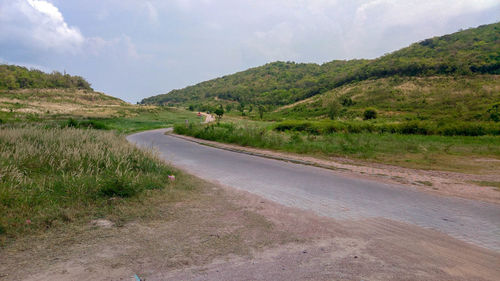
column 355, row 257
column 304, row 252
column 102, row 223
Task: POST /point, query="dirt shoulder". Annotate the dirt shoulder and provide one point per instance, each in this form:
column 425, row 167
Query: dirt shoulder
column 436, row 182
column 222, row 234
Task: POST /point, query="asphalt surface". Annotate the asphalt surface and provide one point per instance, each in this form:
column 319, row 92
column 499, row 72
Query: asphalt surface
column 328, row 193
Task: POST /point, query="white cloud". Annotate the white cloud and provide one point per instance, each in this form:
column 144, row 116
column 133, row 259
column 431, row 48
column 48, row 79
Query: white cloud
column 152, row 12
column 38, row 23
column 38, row 28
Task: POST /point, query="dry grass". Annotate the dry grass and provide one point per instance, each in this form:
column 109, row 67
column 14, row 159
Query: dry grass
column 49, row 177
column 81, row 103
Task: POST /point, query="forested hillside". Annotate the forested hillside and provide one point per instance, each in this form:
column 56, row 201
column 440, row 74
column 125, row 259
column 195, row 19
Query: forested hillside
column 276, row 83
column 14, row 77
column 469, row 52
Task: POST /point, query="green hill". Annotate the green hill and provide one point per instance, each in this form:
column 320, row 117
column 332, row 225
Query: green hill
column 14, row 77
column 30, row 94
column 439, row 98
column 276, row 83
column 468, row 53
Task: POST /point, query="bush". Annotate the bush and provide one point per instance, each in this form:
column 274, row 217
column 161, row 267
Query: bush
column 89, row 124
column 414, row 128
column 370, row 113
column 469, row 129
column 405, row 128
column 494, row 112
column 118, row 187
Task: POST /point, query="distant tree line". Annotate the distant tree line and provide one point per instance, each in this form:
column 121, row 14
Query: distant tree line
column 14, row 77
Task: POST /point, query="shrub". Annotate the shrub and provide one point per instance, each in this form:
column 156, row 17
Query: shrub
column 413, row 127
column 333, row 108
column 118, row 187
column 370, row 113
column 469, row 129
column 494, row 112
column 347, row 101
column 89, row 124
column 72, row 123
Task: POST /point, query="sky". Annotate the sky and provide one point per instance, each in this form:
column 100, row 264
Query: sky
column 134, row 49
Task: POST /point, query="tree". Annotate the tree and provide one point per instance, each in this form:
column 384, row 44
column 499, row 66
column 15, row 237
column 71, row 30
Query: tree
column 370, row 113
column 494, row 112
column 347, row 101
column 219, row 112
column 262, row 110
column 241, row 108
column 229, row 107
column 333, row 108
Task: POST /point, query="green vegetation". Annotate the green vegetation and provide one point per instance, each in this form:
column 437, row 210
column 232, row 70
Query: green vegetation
column 405, row 128
column 17, row 77
column 142, row 119
column 219, row 112
column 277, row 83
column 432, row 105
column 370, row 113
column 439, row 98
column 86, row 109
column 465, row 53
column 58, row 165
column 414, row 151
column 51, row 176
column 489, row 183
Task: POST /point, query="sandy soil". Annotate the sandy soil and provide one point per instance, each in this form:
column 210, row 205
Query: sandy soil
column 208, row 117
column 223, row 234
column 437, row 182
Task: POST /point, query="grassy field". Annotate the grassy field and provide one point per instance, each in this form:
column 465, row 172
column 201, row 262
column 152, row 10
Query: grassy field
column 82, row 108
column 147, row 119
column 52, row 176
column 451, row 153
column 64, row 159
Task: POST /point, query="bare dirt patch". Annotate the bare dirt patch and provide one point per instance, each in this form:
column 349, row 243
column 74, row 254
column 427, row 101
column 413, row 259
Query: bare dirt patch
column 437, row 182
column 222, row 234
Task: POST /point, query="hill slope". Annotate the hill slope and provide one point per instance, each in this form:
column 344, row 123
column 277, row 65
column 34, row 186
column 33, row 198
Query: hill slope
column 26, row 93
column 17, row 77
column 276, row 83
column 439, row 98
column 468, row 52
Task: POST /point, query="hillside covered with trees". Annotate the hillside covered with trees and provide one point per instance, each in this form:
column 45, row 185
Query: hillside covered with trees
column 14, row 77
column 470, row 52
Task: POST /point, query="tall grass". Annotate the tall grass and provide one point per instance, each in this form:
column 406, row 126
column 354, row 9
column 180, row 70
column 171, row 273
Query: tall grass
column 416, row 151
column 406, row 128
column 49, row 176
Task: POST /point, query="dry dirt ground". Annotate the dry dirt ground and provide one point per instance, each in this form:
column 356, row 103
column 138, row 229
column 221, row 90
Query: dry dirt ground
column 438, row 182
column 218, row 233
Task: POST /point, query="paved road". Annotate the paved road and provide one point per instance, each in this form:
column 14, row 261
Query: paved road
column 328, row 193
